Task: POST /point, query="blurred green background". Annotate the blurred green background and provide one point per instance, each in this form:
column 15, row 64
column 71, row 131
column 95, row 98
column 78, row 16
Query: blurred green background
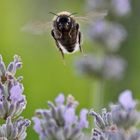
column 43, row 70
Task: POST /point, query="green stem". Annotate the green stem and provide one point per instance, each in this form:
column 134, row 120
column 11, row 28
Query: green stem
column 97, row 94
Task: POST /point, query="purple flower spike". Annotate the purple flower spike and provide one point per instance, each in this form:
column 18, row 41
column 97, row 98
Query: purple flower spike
column 60, row 121
column 15, row 130
column 117, row 7
column 12, row 102
column 107, row 67
column 124, row 113
column 118, row 124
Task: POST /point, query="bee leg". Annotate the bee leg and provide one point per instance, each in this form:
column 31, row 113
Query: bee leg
column 70, row 33
column 77, row 26
column 60, row 51
column 57, row 44
column 79, row 38
column 80, row 42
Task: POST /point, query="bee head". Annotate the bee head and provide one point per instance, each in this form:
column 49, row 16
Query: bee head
column 64, row 22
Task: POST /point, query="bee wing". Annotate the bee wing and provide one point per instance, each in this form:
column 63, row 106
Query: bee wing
column 92, row 17
column 37, row 28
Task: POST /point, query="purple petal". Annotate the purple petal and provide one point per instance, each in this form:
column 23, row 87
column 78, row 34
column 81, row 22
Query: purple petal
column 83, row 119
column 60, row 99
column 16, row 93
column 69, row 116
column 1, row 96
column 18, row 65
column 37, row 125
column 126, row 100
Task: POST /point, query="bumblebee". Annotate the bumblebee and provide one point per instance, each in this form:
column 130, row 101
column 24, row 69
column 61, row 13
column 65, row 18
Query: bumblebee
column 65, row 29
column 66, row 33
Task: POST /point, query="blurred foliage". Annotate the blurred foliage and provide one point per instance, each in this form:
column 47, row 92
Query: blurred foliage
column 44, row 73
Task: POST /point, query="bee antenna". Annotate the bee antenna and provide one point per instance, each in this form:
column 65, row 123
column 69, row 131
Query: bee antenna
column 53, row 14
column 73, row 14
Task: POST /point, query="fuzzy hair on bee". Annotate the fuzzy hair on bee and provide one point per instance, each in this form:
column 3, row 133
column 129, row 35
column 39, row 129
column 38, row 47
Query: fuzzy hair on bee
column 66, row 33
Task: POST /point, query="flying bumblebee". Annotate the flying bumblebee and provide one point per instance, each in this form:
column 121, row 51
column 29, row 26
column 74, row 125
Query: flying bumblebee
column 66, row 33
column 65, row 30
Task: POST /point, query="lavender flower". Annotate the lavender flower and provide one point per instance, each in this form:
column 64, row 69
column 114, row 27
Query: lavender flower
column 110, row 35
column 7, row 74
column 126, row 100
column 92, row 5
column 117, row 7
column 124, row 114
column 121, row 7
column 89, row 65
column 60, row 122
column 104, row 125
column 108, row 67
column 12, row 100
column 14, row 130
column 105, row 65
column 103, row 121
column 119, row 123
